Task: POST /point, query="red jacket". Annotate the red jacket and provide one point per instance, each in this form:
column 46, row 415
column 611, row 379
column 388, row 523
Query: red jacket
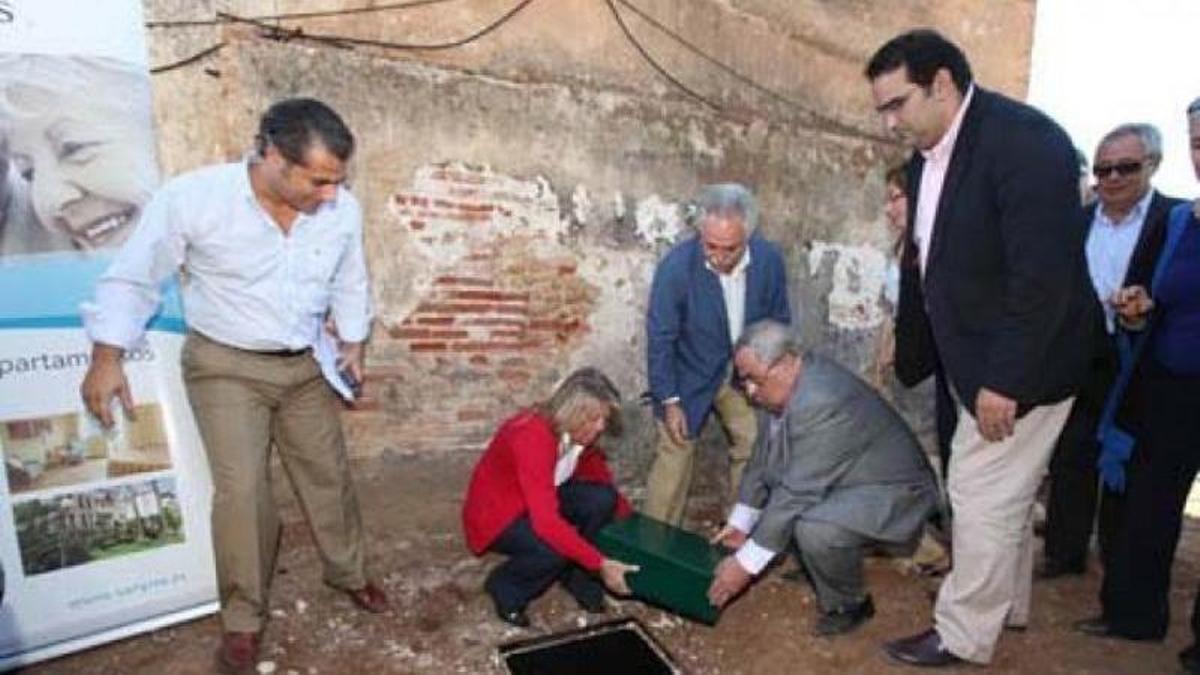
column 515, row 476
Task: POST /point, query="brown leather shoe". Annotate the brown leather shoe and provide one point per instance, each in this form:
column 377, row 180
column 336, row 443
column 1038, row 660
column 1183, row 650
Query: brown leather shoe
column 238, row 653
column 370, row 598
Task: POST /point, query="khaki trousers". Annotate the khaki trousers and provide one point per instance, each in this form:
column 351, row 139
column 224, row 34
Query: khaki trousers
column 670, row 476
column 992, row 488
column 245, row 403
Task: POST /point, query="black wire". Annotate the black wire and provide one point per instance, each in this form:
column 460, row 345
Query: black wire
column 834, row 125
column 300, row 15
column 340, row 40
column 655, row 64
column 189, row 60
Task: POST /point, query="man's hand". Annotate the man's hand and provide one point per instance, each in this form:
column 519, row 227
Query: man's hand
column 105, row 379
column 612, row 573
column 995, row 414
column 351, row 357
column 676, row 422
column 1132, row 303
column 730, row 579
column 729, row 537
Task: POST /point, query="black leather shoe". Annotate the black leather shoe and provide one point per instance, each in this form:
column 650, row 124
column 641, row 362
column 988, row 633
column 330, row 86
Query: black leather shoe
column 923, row 649
column 1096, row 626
column 844, row 620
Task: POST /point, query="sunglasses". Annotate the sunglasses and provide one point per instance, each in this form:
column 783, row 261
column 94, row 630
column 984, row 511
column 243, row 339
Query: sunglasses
column 1122, row 169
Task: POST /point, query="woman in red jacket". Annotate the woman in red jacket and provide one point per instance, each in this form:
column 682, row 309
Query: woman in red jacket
column 540, row 492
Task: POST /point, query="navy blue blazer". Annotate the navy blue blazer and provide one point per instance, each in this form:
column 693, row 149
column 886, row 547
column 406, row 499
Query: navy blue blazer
column 687, row 333
column 1005, row 302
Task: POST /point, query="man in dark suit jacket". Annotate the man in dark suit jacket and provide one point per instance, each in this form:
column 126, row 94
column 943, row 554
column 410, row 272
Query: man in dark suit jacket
column 835, row 470
column 705, row 291
column 1127, row 225
column 994, row 290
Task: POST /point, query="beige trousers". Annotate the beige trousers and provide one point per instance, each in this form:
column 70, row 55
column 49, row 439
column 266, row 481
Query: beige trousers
column 992, row 488
column 244, row 404
column 670, row 476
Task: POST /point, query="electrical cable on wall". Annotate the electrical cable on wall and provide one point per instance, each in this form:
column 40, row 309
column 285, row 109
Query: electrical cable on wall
column 832, row 124
column 386, row 7
column 187, row 61
column 655, row 64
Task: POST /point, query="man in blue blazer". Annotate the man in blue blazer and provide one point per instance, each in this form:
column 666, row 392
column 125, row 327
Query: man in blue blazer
column 994, row 290
column 705, row 291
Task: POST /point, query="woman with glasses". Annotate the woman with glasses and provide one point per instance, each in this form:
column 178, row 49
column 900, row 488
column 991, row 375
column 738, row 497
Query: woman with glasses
column 1159, row 410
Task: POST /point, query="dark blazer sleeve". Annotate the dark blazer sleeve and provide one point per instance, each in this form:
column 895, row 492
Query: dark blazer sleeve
column 1040, row 231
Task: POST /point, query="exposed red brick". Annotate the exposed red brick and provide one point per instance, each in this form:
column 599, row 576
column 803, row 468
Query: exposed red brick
column 564, row 270
column 416, row 224
column 427, row 346
column 496, row 296
column 463, row 281
column 479, row 360
column 434, row 320
column 409, row 333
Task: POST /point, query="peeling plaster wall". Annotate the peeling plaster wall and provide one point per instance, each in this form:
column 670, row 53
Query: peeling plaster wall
column 519, row 190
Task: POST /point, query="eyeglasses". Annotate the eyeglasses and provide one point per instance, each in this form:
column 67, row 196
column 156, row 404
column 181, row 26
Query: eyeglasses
column 1122, row 169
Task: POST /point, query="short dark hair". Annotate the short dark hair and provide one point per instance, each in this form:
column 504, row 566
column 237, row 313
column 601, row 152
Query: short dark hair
column 921, row 52
column 294, row 125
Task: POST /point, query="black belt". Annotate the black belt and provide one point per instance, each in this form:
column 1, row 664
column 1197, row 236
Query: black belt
column 282, row 352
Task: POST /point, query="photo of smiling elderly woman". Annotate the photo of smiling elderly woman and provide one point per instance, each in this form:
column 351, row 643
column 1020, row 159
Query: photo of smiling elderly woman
column 80, row 138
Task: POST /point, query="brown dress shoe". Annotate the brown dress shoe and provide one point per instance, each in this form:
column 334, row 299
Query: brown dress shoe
column 238, row 653
column 370, row 598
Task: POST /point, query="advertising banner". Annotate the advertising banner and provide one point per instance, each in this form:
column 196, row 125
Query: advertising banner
column 103, row 532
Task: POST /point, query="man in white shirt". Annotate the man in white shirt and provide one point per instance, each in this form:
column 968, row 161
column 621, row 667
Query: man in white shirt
column 705, row 290
column 1125, row 222
column 835, row 469
column 270, row 251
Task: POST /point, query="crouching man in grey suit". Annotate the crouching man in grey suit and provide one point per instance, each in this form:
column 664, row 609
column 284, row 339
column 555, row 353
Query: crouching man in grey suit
column 834, row 467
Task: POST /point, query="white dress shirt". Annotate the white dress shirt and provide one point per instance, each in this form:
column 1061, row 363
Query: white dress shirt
column 1109, row 248
column 733, row 290
column 568, row 459
column 933, row 178
column 751, row 556
column 246, row 283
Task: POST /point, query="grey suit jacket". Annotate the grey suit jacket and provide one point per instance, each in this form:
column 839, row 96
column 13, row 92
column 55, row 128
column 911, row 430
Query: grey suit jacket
column 838, row 454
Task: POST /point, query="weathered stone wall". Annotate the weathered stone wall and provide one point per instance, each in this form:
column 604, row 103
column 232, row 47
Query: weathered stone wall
column 519, row 189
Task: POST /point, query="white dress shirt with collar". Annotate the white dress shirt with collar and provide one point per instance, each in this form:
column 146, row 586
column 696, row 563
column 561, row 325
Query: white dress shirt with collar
column 245, row 283
column 933, row 178
column 733, row 290
column 1109, row 249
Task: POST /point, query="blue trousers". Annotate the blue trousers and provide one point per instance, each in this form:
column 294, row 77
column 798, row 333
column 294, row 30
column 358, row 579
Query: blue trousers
column 532, row 565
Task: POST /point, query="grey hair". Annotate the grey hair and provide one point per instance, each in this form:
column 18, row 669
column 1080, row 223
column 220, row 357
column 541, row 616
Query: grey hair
column 1194, row 107
column 1148, row 134
column 769, row 340
column 725, row 200
column 577, row 396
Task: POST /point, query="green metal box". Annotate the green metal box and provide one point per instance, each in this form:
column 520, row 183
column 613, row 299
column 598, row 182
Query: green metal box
column 677, row 566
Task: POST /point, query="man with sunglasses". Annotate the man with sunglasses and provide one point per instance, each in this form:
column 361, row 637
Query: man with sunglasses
column 994, row 290
column 835, row 469
column 272, row 251
column 1127, row 219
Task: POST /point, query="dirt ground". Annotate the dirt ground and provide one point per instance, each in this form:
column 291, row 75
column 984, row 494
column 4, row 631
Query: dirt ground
column 442, row 622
